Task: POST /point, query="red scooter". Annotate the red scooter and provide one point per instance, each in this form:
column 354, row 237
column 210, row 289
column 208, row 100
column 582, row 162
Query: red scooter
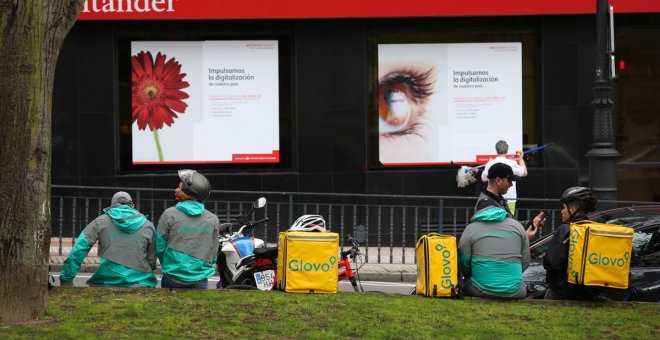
column 345, row 271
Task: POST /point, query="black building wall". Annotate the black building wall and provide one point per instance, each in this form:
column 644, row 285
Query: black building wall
column 568, row 63
column 330, row 104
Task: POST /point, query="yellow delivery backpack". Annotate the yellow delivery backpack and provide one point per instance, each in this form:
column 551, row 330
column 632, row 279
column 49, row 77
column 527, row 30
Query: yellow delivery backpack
column 437, row 266
column 599, row 254
column 307, row 262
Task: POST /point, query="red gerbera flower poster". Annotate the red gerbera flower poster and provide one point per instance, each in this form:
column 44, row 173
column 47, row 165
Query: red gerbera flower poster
column 214, row 91
column 157, row 94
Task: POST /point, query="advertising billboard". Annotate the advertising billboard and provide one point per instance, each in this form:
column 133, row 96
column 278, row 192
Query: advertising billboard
column 205, row 102
column 448, row 103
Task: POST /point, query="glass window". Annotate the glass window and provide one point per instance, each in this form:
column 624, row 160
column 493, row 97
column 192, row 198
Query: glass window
column 646, row 248
column 528, row 40
column 637, row 112
column 637, row 103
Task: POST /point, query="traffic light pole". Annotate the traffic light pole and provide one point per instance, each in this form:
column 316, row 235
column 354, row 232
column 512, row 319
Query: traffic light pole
column 602, row 156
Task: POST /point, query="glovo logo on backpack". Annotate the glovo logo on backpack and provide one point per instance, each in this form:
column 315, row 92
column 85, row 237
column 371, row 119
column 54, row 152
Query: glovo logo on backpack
column 446, row 273
column 573, row 241
column 604, row 260
column 300, row 265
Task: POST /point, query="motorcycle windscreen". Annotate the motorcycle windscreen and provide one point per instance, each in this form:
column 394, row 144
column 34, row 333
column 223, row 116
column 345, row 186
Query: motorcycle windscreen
column 244, row 246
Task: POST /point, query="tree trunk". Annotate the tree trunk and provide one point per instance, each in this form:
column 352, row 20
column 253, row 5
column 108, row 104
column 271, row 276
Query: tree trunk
column 31, row 35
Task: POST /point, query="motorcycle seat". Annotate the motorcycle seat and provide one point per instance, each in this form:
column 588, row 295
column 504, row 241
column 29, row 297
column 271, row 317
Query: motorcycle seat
column 265, row 253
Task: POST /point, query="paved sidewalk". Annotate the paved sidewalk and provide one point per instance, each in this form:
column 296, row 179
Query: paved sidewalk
column 388, row 272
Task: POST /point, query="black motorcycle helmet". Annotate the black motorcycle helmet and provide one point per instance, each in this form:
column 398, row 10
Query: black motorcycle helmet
column 580, row 194
column 195, row 184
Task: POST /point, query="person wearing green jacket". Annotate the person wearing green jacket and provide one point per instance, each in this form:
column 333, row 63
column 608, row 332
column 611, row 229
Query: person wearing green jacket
column 493, row 252
column 187, row 236
column 127, row 247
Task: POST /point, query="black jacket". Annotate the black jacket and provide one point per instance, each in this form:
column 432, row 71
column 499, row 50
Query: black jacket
column 488, row 199
column 555, row 263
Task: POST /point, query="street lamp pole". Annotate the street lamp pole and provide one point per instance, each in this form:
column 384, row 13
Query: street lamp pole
column 602, row 156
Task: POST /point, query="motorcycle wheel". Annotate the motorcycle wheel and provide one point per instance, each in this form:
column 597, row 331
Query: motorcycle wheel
column 241, row 287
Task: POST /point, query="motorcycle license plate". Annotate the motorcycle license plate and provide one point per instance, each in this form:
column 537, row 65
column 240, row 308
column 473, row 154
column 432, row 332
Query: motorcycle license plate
column 265, row 280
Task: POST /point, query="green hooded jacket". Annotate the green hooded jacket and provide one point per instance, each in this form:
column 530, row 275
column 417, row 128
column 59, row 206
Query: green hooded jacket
column 187, row 242
column 494, row 251
column 127, row 249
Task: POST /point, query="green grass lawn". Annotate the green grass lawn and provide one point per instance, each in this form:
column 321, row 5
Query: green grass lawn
column 161, row 313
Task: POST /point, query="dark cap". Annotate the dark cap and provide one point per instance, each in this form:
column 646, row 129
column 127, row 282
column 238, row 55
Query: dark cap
column 501, row 170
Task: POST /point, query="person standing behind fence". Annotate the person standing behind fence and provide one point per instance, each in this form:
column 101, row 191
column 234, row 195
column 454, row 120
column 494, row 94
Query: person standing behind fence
column 127, row 247
column 187, row 237
column 519, row 169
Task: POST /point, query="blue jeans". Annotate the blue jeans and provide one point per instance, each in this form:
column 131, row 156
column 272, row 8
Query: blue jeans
column 166, row 282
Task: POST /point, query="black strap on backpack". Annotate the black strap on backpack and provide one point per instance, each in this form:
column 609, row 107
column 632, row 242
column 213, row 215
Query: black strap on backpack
column 51, row 279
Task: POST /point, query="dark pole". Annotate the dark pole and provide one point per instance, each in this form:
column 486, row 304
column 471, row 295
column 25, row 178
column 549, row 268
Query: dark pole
column 602, row 156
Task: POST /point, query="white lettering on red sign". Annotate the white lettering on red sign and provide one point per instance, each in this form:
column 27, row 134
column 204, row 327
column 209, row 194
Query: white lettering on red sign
column 127, row 6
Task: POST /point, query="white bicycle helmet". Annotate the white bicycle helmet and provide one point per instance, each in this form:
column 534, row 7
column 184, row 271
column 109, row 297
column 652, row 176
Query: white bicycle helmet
column 309, row 223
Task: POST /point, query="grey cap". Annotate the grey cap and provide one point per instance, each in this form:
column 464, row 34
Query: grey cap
column 121, row 197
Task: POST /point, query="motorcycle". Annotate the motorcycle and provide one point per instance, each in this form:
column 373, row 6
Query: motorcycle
column 245, row 262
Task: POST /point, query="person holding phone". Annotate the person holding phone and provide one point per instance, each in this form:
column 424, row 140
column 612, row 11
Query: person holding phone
column 500, row 179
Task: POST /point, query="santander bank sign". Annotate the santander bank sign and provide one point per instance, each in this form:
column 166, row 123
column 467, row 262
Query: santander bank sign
column 280, row 9
column 128, row 9
column 127, row 6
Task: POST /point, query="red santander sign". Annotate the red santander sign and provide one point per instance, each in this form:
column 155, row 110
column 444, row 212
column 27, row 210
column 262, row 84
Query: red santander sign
column 127, row 6
column 299, row 9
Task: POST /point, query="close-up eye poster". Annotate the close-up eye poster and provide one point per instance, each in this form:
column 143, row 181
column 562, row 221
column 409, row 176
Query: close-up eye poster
column 448, row 103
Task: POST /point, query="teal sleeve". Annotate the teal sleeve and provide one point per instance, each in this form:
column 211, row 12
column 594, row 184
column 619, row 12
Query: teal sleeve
column 465, row 263
column 75, row 259
column 161, row 246
column 465, row 254
column 162, row 234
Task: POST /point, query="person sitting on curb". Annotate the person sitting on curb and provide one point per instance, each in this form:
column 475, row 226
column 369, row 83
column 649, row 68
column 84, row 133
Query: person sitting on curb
column 576, row 203
column 127, row 247
column 187, row 238
column 500, row 179
column 493, row 252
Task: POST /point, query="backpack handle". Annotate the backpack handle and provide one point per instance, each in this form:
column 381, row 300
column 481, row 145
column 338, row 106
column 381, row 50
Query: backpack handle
column 429, row 235
column 583, row 222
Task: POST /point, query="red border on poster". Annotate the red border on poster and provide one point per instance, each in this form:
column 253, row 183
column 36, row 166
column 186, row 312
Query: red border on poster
column 298, row 9
column 273, row 157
